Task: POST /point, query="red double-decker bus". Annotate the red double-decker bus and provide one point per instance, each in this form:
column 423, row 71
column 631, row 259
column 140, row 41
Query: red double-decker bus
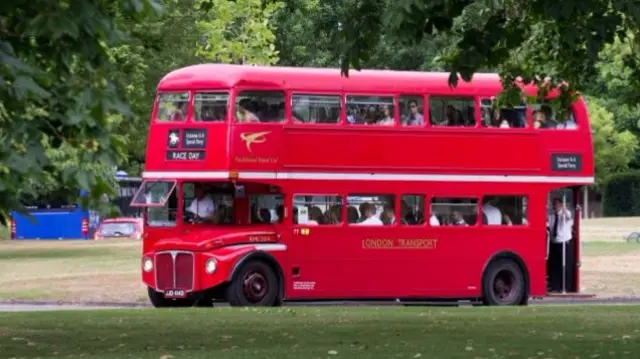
column 272, row 184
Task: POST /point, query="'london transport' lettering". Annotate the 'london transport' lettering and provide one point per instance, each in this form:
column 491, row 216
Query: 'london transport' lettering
column 399, row 243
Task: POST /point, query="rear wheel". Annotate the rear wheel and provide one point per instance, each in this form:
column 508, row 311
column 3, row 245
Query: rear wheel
column 158, row 300
column 255, row 284
column 504, row 284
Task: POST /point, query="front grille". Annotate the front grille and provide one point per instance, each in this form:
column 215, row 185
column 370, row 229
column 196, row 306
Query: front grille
column 174, row 270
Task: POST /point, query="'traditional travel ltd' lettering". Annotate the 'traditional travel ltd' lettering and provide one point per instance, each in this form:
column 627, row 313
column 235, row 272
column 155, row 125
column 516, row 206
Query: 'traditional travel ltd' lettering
column 399, row 243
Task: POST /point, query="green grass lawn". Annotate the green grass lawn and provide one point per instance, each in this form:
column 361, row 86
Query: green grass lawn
column 330, row 332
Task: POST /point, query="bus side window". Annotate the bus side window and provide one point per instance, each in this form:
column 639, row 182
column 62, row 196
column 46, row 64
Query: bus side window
column 455, row 211
column 371, row 209
column 505, row 210
column 411, row 111
column 260, row 106
column 452, row 111
column 315, row 108
column 172, row 106
column 317, row 209
column 544, row 117
column 370, row 110
column 210, row 107
column 493, row 117
column 412, row 209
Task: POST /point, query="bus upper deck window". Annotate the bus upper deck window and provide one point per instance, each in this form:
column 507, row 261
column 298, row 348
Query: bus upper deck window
column 452, row 111
column 370, row 110
column 260, row 106
column 545, row 117
column 503, row 117
column 211, row 106
column 172, row 106
column 315, row 108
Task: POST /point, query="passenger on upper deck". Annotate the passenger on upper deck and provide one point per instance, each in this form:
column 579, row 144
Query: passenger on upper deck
column 202, row 205
column 245, row 113
column 415, row 118
column 180, row 112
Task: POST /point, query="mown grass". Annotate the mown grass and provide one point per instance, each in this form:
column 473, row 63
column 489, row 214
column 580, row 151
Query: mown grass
column 71, row 270
column 334, row 332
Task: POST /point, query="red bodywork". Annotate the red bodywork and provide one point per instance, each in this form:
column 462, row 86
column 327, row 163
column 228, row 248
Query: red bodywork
column 329, row 261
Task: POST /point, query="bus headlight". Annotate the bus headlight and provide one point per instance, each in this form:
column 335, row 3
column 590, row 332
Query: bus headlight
column 211, row 265
column 147, row 264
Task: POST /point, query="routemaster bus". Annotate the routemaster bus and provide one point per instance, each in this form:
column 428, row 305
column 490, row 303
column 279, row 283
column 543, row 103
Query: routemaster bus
column 271, row 184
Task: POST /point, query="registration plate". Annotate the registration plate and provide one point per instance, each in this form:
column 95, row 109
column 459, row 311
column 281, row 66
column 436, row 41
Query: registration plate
column 175, row 293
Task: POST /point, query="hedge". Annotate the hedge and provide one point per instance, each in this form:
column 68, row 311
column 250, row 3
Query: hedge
column 621, row 195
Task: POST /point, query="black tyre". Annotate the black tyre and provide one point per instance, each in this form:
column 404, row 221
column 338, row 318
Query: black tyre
column 255, row 284
column 504, row 284
column 158, row 300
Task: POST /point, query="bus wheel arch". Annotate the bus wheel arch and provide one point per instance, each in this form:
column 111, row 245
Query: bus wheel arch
column 506, row 270
column 263, row 268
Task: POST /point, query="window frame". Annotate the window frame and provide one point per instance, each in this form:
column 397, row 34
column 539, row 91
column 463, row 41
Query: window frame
column 141, row 190
column 237, row 92
column 289, row 108
column 192, row 106
column 526, row 217
column 156, row 107
column 478, row 206
column 371, row 194
column 343, row 209
column 394, row 98
column 476, row 111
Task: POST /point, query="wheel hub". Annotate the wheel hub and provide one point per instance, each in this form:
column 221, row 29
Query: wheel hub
column 255, row 286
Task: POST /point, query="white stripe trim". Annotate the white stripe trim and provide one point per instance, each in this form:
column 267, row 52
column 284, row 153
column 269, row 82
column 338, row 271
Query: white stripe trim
column 337, row 176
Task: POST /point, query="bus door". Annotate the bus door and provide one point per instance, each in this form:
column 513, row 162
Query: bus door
column 317, row 248
column 563, row 240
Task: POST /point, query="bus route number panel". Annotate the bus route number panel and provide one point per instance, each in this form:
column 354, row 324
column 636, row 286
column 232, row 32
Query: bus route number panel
column 186, row 146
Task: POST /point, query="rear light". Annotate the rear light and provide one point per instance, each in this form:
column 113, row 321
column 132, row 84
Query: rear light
column 85, row 227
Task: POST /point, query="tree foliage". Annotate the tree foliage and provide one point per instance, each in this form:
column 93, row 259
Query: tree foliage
column 56, row 92
column 614, row 150
column 239, row 32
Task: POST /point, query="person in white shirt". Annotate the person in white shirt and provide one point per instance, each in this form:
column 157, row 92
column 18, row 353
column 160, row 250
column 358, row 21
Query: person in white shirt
column 433, row 220
column 202, row 205
column 369, row 215
column 561, row 234
column 493, row 214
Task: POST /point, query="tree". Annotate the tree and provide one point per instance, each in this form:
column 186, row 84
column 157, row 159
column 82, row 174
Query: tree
column 56, row 93
column 240, row 32
column 614, row 150
column 550, row 43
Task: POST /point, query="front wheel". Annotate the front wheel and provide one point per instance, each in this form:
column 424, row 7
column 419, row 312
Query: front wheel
column 504, row 284
column 158, row 300
column 255, row 284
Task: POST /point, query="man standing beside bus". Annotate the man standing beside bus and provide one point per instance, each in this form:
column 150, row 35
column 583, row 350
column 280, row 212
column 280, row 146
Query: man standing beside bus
column 560, row 224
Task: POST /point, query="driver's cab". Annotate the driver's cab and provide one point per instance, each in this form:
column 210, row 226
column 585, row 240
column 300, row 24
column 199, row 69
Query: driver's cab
column 174, row 207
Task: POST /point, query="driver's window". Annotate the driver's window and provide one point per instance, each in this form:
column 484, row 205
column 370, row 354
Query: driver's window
column 203, row 202
column 266, row 208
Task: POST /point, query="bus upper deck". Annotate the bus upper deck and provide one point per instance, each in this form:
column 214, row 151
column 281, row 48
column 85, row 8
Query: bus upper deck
column 300, row 123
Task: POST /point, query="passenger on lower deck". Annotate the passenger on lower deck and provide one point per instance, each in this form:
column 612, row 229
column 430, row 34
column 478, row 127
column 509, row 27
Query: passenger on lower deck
column 369, row 215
